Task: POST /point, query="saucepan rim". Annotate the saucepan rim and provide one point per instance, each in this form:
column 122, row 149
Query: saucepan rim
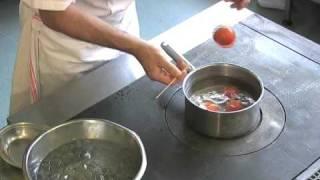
column 224, row 64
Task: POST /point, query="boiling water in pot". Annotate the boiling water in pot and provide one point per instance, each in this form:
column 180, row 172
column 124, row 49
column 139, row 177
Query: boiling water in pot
column 89, row 160
column 222, row 97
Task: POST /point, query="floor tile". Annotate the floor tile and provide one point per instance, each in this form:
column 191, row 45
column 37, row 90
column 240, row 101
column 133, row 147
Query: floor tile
column 157, row 16
column 305, row 17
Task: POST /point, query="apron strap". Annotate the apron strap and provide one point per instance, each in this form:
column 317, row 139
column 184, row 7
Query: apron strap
column 34, row 59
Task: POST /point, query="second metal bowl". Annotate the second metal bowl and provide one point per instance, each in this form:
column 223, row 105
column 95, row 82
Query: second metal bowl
column 14, row 140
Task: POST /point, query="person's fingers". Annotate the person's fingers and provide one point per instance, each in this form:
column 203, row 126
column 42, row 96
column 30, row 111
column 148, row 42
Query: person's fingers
column 181, row 64
column 183, row 75
column 171, row 69
column 245, row 3
column 242, row 4
column 164, row 77
column 239, row 4
column 234, row 5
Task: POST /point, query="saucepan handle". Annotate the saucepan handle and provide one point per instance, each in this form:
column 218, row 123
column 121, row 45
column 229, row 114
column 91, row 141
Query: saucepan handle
column 175, row 55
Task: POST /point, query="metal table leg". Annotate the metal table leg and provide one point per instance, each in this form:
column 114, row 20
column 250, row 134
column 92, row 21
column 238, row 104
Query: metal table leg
column 288, row 13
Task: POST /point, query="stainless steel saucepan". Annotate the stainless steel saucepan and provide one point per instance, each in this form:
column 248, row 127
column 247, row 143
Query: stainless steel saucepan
column 220, row 124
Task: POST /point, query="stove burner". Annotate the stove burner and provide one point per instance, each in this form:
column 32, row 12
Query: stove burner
column 272, row 123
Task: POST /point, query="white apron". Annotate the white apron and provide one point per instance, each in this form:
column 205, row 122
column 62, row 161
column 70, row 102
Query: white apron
column 47, row 60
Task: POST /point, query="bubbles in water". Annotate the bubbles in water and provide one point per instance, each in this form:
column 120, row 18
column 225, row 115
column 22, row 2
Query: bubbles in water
column 101, row 177
column 221, row 97
column 218, row 98
column 85, row 155
column 54, row 177
column 76, row 161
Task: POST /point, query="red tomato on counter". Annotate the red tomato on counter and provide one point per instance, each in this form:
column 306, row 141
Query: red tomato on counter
column 231, row 91
column 234, row 105
column 224, row 36
column 210, row 106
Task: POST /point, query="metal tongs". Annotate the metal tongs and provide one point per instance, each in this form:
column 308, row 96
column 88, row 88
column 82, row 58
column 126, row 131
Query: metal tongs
column 175, row 57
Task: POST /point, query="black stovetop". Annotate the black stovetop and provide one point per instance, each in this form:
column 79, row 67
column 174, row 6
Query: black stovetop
column 291, row 79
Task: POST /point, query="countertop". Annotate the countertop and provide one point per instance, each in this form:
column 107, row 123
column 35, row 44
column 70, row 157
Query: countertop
column 83, row 93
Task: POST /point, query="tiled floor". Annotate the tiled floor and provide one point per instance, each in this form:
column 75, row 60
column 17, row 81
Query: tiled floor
column 305, row 16
column 155, row 17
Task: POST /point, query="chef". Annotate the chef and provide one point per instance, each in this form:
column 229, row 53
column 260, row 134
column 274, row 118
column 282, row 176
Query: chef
column 62, row 40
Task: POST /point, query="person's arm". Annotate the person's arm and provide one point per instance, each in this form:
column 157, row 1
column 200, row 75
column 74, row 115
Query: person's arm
column 83, row 26
column 239, row 4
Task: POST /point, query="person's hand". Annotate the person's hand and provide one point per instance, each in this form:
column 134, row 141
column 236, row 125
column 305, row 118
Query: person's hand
column 157, row 66
column 239, row 4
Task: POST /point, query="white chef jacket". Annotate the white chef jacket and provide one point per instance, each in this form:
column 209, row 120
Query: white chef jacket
column 47, row 60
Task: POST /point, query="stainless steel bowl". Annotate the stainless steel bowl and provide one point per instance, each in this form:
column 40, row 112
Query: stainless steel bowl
column 223, row 124
column 14, row 140
column 109, row 134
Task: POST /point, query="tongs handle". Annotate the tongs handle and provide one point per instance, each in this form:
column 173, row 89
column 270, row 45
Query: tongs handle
column 176, row 56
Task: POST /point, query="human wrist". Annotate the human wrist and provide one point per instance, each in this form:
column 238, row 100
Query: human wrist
column 139, row 48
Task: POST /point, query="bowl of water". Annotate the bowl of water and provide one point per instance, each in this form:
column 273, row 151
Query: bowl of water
column 86, row 149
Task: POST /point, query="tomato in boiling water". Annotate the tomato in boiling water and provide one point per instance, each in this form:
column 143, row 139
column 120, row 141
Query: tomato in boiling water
column 210, row 106
column 231, row 91
column 234, row 105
